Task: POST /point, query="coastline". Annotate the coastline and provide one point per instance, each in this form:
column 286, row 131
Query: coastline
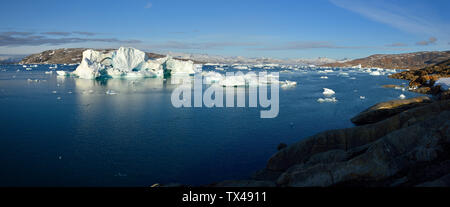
column 399, row 143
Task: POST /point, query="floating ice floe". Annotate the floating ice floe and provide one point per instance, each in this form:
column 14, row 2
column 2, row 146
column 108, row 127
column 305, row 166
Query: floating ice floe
column 233, row 81
column 362, row 97
column 240, row 67
column 402, row 96
column 375, row 73
column 129, row 63
column 288, row 84
column 322, row 100
column 212, row 77
column 328, row 92
column 48, row 72
column 444, row 83
column 111, row 92
column 324, row 77
column 242, row 80
column 325, row 71
column 61, row 73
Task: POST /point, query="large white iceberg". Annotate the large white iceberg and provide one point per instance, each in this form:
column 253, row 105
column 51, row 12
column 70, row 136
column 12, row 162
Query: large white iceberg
column 90, row 66
column 129, row 63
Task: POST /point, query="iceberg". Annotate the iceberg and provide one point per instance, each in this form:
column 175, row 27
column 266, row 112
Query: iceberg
column 375, row 73
column 212, row 77
column 90, row 66
column 402, row 96
column 240, row 67
column 129, row 62
column 233, row 81
column 328, row 92
column 176, row 67
column 444, row 83
column 242, row 80
column 322, row 100
column 127, row 59
column 288, row 84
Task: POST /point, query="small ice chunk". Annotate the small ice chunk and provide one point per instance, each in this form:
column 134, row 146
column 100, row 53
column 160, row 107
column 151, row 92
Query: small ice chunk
column 48, row 72
column 324, row 77
column 402, row 96
column 444, row 83
column 328, row 92
column 375, row 73
column 362, row 97
column 288, row 84
column 61, row 73
column 54, row 92
column 322, row 100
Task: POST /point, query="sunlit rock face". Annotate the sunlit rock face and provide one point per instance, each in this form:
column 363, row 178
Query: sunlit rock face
column 129, row 63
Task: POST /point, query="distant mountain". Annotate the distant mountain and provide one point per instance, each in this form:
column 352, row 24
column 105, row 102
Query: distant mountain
column 10, row 59
column 67, row 56
column 413, row 61
column 255, row 60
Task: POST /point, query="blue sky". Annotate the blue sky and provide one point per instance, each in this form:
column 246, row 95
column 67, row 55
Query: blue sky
column 250, row 28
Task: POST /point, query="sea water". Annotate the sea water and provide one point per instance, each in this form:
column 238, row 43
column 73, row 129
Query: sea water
column 65, row 131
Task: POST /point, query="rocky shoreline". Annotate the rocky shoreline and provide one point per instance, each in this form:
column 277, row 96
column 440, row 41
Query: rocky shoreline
column 412, row 61
column 399, row 143
column 411, row 148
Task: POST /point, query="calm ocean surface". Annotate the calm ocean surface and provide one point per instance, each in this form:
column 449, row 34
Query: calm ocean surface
column 64, row 131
